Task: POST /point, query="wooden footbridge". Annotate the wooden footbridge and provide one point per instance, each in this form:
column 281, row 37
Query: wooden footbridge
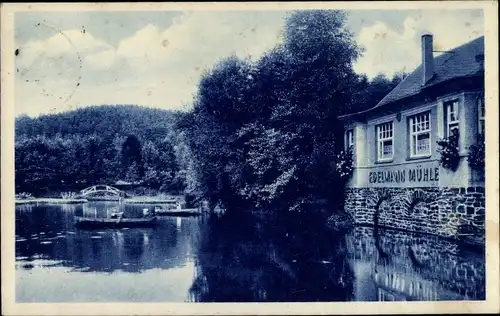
column 102, row 188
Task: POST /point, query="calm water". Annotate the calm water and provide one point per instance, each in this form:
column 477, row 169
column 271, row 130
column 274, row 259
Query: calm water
column 224, row 260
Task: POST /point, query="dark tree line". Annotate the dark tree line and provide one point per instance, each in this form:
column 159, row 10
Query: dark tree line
column 98, row 145
column 265, row 134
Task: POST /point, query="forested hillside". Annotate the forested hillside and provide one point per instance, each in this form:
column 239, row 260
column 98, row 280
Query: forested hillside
column 106, row 121
column 99, row 144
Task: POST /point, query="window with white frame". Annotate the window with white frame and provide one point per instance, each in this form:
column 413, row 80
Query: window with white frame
column 480, row 115
column 420, row 135
column 385, row 141
column 349, row 139
column 452, row 121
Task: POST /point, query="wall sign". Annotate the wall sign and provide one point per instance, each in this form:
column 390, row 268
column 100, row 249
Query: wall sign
column 418, row 174
column 403, row 175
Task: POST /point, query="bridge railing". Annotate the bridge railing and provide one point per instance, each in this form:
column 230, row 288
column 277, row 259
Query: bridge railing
column 100, row 188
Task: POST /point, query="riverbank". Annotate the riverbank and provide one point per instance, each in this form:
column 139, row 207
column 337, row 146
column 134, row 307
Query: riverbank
column 134, row 200
column 50, row 201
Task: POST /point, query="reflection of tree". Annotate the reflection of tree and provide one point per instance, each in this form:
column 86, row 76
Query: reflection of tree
column 241, row 260
column 34, row 223
column 134, row 245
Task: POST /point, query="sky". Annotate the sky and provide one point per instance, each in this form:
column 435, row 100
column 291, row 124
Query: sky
column 67, row 60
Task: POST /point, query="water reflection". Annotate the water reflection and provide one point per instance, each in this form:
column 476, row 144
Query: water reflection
column 47, row 232
column 278, row 265
column 232, row 259
column 395, row 265
column 313, row 264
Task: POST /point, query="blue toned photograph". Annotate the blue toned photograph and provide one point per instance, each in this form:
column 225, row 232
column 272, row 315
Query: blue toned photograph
column 249, row 156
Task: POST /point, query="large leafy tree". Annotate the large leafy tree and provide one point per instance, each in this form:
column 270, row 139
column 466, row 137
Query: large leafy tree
column 221, row 107
column 267, row 132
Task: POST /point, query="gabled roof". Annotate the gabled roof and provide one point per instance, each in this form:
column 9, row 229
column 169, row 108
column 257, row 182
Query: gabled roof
column 458, row 62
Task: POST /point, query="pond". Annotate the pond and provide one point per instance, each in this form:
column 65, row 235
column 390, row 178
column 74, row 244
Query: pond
column 210, row 259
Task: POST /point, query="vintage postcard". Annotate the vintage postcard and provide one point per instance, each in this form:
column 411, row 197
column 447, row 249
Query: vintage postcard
column 250, row 158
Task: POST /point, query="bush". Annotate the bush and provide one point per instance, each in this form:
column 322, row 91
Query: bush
column 344, row 164
column 23, row 196
column 68, row 195
column 477, row 154
column 450, row 156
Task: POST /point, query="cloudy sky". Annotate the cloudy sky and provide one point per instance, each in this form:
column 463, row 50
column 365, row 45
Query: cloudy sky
column 67, row 60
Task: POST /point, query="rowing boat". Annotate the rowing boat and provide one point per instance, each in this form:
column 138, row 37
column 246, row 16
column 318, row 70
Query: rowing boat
column 86, row 222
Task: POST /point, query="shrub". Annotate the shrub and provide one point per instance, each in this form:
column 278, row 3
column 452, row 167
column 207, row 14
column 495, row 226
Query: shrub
column 476, row 154
column 23, row 196
column 450, row 156
column 344, row 164
column 68, row 195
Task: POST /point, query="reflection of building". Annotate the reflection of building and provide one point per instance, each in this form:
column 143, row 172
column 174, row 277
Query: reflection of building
column 395, row 145
column 396, row 272
column 402, row 287
column 388, row 283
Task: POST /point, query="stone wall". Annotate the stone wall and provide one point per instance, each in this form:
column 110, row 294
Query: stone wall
column 457, row 213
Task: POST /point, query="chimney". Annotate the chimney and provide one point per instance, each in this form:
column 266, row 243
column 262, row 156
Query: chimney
column 427, row 58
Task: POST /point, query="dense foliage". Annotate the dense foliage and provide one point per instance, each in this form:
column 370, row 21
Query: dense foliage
column 449, row 151
column 265, row 133
column 476, row 154
column 98, row 145
column 345, row 163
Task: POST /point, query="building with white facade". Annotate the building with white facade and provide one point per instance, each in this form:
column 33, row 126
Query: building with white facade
column 398, row 180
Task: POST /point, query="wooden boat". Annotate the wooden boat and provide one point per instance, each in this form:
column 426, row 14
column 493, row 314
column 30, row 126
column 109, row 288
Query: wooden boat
column 177, row 212
column 89, row 222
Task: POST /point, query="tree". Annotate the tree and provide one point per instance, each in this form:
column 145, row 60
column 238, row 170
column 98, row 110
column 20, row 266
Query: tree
column 168, row 167
column 150, row 158
column 314, row 82
column 132, row 175
column 131, row 154
column 160, row 166
column 267, row 132
column 370, row 92
column 221, row 107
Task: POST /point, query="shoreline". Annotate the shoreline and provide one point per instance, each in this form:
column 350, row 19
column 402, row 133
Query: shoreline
column 139, row 200
column 51, row 201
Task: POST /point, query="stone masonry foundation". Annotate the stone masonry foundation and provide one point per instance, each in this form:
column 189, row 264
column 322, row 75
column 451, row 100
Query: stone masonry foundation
column 457, row 213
